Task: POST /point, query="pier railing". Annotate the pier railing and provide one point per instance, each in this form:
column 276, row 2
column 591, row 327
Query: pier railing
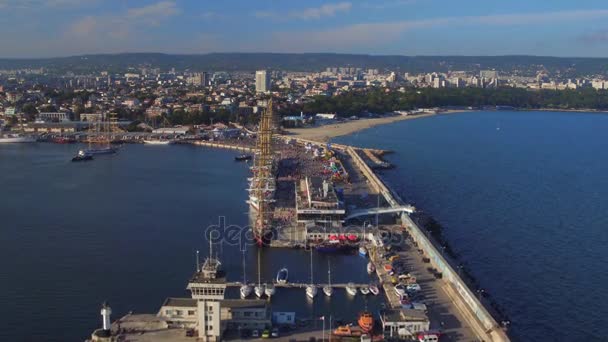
column 475, row 313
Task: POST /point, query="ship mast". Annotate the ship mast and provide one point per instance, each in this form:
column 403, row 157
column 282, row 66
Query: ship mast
column 263, row 168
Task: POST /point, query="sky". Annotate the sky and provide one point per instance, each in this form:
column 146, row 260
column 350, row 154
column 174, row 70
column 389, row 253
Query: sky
column 49, row 28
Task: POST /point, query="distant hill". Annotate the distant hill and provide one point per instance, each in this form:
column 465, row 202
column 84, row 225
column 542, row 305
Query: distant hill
column 527, row 65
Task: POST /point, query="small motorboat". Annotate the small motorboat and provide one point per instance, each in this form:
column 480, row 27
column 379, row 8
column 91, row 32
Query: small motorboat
column 363, row 251
column 82, row 156
column 374, row 289
column 283, row 275
column 311, row 291
column 245, row 291
column 364, row 290
column 371, row 268
column 270, row 290
column 366, row 321
column 351, row 289
column 259, row 290
column 242, row 157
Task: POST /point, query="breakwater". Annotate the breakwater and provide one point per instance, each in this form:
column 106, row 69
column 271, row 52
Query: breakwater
column 478, row 317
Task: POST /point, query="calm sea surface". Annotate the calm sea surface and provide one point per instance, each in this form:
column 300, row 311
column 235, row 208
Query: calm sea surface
column 125, row 228
column 523, row 197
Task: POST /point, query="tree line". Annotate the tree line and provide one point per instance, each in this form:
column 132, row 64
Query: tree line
column 381, row 101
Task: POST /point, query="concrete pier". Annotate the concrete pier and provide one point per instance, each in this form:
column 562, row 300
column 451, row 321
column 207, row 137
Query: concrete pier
column 471, row 309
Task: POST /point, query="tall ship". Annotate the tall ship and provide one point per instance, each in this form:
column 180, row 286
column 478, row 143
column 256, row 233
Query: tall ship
column 262, row 184
column 100, row 143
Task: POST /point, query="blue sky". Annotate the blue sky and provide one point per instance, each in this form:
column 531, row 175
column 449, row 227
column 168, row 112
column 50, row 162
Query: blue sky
column 43, row 28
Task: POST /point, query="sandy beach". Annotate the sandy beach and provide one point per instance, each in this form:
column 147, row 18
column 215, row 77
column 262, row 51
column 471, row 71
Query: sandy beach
column 327, row 132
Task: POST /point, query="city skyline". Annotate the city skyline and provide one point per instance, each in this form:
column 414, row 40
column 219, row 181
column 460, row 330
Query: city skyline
column 55, row 28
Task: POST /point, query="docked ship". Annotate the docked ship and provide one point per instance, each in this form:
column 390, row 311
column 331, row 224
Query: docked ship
column 100, row 143
column 16, row 138
column 158, row 142
column 262, row 185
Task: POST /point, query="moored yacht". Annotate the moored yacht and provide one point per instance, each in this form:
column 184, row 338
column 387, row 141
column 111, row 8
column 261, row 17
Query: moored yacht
column 351, row 289
column 270, row 290
column 245, row 291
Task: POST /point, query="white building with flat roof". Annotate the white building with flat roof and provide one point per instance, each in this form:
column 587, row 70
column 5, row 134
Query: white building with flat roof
column 262, row 81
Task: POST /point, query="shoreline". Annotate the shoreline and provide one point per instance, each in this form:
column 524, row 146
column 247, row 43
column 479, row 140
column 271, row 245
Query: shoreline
column 327, row 132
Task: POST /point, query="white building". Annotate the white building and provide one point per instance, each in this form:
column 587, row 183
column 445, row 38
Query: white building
column 262, row 81
column 403, row 323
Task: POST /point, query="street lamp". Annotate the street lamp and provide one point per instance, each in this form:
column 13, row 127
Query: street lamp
column 459, row 267
column 480, row 292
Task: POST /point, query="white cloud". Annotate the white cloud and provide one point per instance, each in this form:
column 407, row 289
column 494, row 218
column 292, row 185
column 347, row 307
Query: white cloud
column 98, row 30
column 327, row 10
column 372, row 35
column 37, row 4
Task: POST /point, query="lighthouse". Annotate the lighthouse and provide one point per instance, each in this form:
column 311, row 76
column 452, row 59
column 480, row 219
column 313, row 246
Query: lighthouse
column 106, row 311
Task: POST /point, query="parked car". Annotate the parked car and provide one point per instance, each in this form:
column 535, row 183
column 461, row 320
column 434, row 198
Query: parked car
column 255, row 334
column 266, row 334
column 275, row 332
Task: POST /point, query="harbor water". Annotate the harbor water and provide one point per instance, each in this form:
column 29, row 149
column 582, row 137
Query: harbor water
column 125, row 228
column 522, row 199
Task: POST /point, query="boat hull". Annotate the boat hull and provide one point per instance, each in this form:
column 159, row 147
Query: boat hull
column 100, row 151
column 17, row 140
column 158, row 142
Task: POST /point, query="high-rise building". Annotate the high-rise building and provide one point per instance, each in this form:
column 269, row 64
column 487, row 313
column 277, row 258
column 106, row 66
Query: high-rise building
column 262, row 81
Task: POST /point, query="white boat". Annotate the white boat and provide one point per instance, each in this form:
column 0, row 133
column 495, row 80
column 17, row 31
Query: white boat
column 270, row 290
column 158, row 142
column 259, row 290
column 282, row 275
column 364, row 290
column 374, row 289
column 327, row 289
column 351, row 289
column 370, row 268
column 311, row 290
column 245, row 291
column 16, row 138
column 363, row 251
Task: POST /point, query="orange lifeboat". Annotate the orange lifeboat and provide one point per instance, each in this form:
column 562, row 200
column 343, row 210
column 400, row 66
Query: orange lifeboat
column 366, row 321
column 347, row 331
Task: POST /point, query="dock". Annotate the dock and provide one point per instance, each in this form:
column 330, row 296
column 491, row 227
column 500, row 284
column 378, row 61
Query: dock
column 299, row 285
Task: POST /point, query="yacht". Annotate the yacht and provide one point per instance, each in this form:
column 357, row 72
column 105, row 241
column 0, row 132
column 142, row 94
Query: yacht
column 370, row 268
column 363, row 251
column 245, row 291
column 327, row 289
column 270, row 290
column 373, row 288
column 351, row 289
column 311, row 290
column 259, row 290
